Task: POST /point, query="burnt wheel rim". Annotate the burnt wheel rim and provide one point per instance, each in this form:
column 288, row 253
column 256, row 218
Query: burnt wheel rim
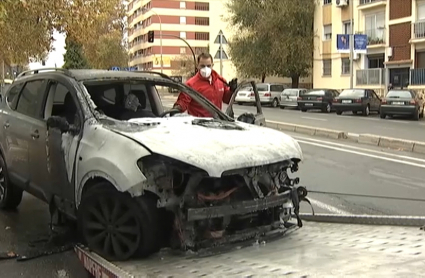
column 2, row 184
column 111, row 228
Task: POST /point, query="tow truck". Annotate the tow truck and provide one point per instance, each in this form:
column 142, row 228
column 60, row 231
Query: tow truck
column 327, row 245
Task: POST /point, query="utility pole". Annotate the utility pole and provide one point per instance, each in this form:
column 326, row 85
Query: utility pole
column 351, row 43
column 221, row 53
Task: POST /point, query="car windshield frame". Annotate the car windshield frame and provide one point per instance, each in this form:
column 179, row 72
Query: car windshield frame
column 398, row 92
column 204, row 102
column 353, row 93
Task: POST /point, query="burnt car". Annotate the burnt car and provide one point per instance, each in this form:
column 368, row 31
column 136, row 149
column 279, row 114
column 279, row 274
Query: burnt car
column 357, row 100
column 98, row 147
column 403, row 102
column 317, row 99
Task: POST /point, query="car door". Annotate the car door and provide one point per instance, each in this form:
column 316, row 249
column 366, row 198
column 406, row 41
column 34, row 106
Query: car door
column 15, row 137
column 28, row 114
column 56, row 151
column 259, row 116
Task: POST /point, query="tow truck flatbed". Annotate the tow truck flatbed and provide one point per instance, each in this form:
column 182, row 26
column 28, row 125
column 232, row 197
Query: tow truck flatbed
column 318, row 249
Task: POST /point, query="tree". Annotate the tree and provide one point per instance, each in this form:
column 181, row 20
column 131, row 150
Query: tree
column 74, row 57
column 186, row 66
column 276, row 37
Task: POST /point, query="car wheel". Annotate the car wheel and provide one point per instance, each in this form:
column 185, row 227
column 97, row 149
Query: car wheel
column 303, row 110
column 117, row 226
column 282, row 107
column 417, row 115
column 382, row 116
column 366, row 111
column 339, row 112
column 10, row 195
column 275, row 103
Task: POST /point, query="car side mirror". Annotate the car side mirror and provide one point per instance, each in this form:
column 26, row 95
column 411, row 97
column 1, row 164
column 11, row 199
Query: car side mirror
column 59, row 123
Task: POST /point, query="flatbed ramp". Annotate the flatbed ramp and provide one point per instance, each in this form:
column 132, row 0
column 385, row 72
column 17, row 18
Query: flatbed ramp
column 316, row 250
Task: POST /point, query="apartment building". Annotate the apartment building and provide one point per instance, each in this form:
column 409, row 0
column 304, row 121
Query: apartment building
column 395, row 46
column 198, row 22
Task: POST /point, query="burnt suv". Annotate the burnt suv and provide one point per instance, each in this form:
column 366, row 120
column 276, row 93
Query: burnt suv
column 98, row 147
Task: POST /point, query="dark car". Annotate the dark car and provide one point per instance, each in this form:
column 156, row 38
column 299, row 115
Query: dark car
column 317, row 99
column 402, row 102
column 355, row 100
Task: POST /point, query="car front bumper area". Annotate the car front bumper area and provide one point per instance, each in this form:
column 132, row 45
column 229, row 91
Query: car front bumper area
column 311, row 105
column 398, row 109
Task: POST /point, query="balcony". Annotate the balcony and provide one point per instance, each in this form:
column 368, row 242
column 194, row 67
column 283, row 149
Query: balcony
column 417, row 77
column 375, row 36
column 419, row 30
column 374, row 77
column 368, row 4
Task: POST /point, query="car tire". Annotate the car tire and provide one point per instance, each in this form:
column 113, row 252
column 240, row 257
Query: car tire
column 303, row 110
column 339, row 112
column 366, row 111
column 134, row 225
column 282, row 107
column 10, row 195
column 382, row 116
column 275, row 103
column 417, row 115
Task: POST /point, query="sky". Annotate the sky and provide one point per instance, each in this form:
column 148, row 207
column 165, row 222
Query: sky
column 56, row 55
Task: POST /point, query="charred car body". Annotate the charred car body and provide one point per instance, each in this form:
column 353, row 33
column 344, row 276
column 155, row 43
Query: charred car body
column 139, row 180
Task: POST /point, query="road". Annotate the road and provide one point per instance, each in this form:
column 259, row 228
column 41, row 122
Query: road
column 398, row 127
column 328, row 166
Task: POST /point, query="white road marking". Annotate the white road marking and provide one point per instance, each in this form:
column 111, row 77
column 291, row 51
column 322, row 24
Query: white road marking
column 315, row 119
column 327, row 207
column 422, row 165
column 361, row 149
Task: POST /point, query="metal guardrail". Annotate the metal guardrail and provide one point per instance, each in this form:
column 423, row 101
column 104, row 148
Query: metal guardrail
column 419, row 30
column 417, row 77
column 363, row 2
column 370, row 77
column 375, row 36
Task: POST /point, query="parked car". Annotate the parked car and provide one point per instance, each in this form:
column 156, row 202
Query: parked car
column 270, row 93
column 356, row 100
column 317, row 99
column 245, row 95
column 98, row 147
column 402, row 102
column 289, row 97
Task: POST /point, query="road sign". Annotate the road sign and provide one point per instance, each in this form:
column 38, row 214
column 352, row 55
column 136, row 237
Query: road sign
column 222, row 37
column 116, row 68
column 221, row 54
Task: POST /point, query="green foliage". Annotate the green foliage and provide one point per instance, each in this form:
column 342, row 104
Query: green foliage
column 276, row 37
column 74, row 57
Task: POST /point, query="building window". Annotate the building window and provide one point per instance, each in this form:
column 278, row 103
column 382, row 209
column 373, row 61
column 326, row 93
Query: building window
column 182, row 20
column 420, row 12
column 327, row 32
column 182, row 5
column 375, row 26
column 345, row 66
column 327, row 67
column 202, row 36
column 202, row 6
column 182, row 50
column 327, row 2
column 204, row 21
column 346, row 27
column 183, row 35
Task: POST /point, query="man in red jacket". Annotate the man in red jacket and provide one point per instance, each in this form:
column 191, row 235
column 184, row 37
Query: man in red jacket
column 210, row 84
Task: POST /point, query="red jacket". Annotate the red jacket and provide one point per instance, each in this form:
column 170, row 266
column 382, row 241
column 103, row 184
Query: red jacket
column 216, row 92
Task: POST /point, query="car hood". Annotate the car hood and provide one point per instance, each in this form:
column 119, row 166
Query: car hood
column 212, row 145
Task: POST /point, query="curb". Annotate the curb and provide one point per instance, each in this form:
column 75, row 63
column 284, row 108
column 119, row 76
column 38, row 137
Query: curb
column 367, row 139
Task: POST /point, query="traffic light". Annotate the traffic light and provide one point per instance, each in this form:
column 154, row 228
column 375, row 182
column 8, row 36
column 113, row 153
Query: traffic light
column 151, row 35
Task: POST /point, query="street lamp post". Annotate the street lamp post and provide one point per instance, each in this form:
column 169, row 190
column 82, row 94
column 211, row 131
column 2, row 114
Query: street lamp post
column 160, row 39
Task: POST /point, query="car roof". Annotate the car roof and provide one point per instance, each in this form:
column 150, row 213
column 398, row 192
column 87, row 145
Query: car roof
column 93, row 74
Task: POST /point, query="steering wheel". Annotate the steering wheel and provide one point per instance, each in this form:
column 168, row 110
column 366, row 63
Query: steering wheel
column 172, row 112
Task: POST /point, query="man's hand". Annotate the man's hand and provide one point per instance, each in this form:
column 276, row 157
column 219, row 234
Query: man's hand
column 233, row 84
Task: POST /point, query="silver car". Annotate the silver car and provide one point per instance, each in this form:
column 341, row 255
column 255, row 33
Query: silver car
column 289, row 97
column 245, row 95
column 270, row 93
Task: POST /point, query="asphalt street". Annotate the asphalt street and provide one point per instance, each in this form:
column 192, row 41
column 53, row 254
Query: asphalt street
column 397, row 127
column 328, row 166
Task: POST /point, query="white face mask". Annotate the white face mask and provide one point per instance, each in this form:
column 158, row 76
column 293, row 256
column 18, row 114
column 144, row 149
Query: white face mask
column 206, row 72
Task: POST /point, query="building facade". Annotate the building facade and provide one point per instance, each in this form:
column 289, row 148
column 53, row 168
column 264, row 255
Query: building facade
column 395, row 48
column 199, row 22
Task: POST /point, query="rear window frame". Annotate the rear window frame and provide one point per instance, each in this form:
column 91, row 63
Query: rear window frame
column 412, row 94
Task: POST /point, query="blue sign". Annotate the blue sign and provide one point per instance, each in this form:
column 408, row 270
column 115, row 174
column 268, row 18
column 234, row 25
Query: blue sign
column 115, row 68
column 360, row 43
column 343, row 43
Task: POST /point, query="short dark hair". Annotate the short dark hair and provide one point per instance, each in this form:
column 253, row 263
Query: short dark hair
column 204, row 56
